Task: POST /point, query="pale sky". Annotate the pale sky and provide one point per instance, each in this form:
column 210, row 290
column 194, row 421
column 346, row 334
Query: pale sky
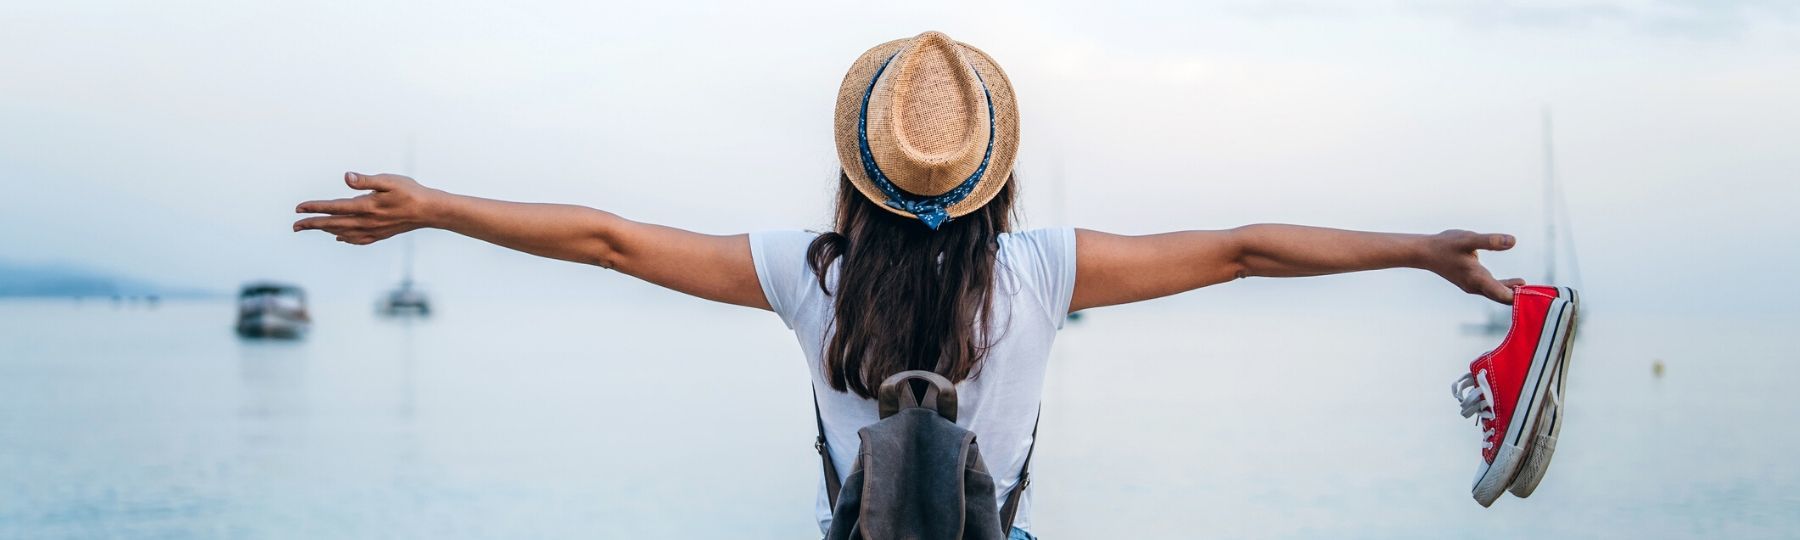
column 170, row 140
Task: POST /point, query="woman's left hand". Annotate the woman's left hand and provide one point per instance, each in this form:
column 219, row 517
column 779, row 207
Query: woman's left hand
column 1452, row 255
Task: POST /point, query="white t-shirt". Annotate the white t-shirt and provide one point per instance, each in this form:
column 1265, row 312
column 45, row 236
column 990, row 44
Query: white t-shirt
column 1034, row 277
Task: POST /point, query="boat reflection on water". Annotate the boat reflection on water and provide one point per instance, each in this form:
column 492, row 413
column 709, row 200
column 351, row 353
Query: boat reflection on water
column 272, row 310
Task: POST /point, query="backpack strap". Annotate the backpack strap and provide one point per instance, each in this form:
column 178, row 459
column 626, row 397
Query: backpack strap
column 832, row 485
column 1011, row 509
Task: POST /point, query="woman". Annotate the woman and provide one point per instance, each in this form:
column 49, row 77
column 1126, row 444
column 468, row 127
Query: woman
column 922, row 270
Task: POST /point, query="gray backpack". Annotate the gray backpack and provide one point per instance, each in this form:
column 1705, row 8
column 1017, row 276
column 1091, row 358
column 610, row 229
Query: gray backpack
column 918, row 475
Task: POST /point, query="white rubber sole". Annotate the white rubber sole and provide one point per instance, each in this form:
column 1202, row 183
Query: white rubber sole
column 1492, row 480
column 1543, row 445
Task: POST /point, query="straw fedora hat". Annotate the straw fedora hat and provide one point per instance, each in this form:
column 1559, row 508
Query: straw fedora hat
column 927, row 127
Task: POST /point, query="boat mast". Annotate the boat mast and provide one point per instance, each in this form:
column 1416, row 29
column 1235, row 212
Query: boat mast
column 412, row 143
column 406, row 279
column 1549, row 202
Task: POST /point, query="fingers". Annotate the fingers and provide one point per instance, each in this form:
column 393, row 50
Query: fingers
column 376, row 182
column 1496, row 290
column 330, row 224
column 356, row 205
column 1490, row 242
column 1514, row 282
column 363, row 237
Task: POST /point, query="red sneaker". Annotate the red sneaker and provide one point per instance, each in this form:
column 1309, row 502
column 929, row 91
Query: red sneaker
column 1537, row 457
column 1507, row 389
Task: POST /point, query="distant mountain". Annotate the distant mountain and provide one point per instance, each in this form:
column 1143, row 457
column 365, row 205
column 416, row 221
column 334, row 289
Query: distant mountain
column 60, row 280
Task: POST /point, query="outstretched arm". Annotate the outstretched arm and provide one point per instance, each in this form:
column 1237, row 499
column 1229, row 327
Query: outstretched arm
column 712, row 267
column 1113, row 269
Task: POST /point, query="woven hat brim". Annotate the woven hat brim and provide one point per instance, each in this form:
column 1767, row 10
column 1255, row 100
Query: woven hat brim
column 1006, row 126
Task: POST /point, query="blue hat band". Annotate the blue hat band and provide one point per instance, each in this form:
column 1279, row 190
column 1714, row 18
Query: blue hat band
column 929, row 209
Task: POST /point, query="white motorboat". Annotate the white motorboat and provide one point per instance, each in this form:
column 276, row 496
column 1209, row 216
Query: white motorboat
column 272, row 310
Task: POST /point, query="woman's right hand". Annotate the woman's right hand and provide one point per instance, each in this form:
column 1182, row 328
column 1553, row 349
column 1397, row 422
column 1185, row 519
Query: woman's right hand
column 394, row 204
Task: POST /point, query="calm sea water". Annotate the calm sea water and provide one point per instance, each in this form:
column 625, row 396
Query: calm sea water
column 531, row 421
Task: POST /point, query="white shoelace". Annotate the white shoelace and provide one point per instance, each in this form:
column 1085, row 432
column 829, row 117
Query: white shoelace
column 1477, row 401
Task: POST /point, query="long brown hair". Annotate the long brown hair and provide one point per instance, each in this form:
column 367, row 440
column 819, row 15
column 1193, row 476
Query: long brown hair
column 907, row 297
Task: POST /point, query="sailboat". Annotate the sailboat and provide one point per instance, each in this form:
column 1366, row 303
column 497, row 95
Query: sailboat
column 1499, row 319
column 405, row 300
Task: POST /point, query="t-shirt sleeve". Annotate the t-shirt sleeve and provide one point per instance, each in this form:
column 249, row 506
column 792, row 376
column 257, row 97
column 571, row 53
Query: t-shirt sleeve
column 780, row 258
column 1045, row 259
